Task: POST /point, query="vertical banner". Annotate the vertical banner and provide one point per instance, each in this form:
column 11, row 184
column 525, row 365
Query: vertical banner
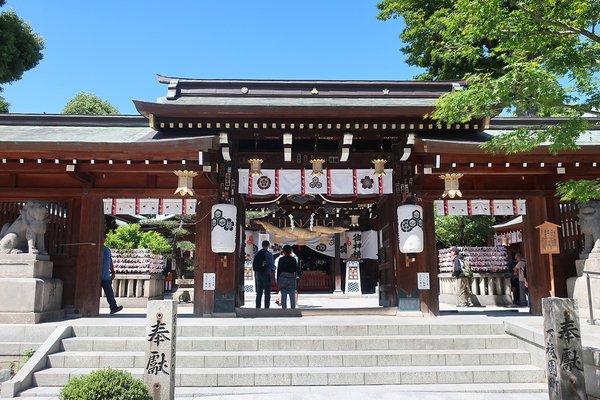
column 353, row 279
column 159, row 362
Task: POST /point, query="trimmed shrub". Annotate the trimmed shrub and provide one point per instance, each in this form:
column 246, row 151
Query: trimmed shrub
column 105, row 384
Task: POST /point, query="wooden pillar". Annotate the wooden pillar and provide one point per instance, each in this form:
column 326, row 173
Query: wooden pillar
column 337, row 265
column 90, row 223
column 538, row 275
column 427, row 261
column 205, row 260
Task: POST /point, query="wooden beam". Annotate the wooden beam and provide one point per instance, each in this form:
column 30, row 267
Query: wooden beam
column 18, row 194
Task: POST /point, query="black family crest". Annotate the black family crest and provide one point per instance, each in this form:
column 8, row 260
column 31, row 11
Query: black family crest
column 315, row 183
column 263, row 183
column 219, row 220
column 409, row 224
column 367, row 182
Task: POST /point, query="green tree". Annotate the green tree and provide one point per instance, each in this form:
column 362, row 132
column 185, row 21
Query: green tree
column 20, row 49
column 176, row 234
column 531, row 57
column 463, row 230
column 88, row 104
column 131, row 236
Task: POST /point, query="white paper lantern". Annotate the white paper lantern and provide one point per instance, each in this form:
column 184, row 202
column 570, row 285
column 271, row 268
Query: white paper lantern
column 410, row 228
column 223, row 228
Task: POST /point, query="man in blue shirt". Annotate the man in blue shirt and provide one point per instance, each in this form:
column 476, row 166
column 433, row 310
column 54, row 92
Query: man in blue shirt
column 263, row 266
column 108, row 274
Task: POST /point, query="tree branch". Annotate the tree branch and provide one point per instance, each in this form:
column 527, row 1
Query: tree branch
column 590, row 35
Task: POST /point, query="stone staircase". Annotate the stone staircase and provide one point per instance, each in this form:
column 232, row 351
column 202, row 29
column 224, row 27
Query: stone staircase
column 275, row 355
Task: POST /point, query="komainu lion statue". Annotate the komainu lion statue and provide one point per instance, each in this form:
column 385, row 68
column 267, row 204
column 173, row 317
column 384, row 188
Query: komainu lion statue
column 26, row 234
column 589, row 222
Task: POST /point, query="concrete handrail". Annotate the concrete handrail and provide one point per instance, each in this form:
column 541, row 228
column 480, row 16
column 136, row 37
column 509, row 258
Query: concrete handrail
column 24, row 378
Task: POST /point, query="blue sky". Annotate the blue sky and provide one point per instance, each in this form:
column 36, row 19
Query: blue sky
column 114, row 49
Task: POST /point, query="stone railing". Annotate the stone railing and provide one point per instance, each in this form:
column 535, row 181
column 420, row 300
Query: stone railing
column 487, row 288
column 134, row 290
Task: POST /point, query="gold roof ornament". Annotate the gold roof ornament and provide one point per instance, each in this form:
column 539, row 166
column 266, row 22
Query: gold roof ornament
column 379, row 169
column 255, row 165
column 354, row 220
column 451, row 185
column 185, row 182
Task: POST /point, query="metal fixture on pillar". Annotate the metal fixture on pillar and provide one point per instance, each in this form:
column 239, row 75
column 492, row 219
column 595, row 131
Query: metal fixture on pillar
column 255, row 166
column 317, row 163
column 255, row 163
column 379, row 167
column 185, row 182
column 317, row 166
column 451, row 185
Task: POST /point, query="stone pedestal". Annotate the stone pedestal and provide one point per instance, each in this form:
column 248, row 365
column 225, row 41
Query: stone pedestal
column 576, row 286
column 28, row 293
column 184, row 285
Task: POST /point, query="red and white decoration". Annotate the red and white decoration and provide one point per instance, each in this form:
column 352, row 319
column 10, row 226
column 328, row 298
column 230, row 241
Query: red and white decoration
column 345, row 182
column 480, row 207
column 149, row 206
column 223, row 228
column 410, row 228
column 349, row 243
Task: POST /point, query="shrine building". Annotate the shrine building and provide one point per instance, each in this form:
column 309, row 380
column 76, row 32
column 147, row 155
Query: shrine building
column 310, row 161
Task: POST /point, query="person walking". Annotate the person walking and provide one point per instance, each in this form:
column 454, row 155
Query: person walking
column 520, row 271
column 286, row 277
column 463, row 284
column 262, row 266
column 108, row 274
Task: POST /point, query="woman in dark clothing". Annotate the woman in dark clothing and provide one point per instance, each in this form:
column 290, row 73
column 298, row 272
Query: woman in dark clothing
column 286, row 277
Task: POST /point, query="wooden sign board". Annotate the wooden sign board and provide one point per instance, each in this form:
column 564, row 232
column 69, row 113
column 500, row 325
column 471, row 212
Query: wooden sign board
column 549, row 242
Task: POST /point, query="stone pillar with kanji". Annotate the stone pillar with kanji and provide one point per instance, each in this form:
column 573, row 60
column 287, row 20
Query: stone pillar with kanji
column 564, row 356
column 159, row 361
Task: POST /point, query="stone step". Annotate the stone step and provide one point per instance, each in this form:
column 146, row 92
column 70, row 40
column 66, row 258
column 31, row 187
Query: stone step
column 499, row 391
column 342, row 358
column 316, row 376
column 302, row 343
column 503, row 391
column 299, row 330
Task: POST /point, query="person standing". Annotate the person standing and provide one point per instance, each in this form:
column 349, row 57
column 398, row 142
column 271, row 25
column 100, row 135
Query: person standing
column 108, row 274
column 263, row 265
column 520, row 271
column 286, row 277
column 463, row 284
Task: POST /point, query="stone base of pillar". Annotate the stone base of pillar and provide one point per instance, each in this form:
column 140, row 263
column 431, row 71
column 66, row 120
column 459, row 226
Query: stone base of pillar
column 28, row 293
column 577, row 287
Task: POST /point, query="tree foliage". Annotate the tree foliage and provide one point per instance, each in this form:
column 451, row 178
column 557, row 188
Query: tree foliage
column 130, row 236
column 20, row 49
column 534, row 57
column 89, row 104
column 580, row 191
column 176, row 234
column 463, row 230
